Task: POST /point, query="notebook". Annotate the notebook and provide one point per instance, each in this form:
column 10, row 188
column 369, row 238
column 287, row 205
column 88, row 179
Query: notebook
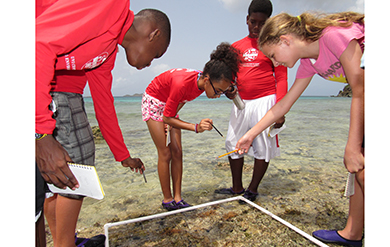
column 350, row 185
column 88, row 181
column 274, row 131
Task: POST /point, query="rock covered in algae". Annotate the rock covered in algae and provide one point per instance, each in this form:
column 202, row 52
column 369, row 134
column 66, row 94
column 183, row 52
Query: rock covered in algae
column 97, row 134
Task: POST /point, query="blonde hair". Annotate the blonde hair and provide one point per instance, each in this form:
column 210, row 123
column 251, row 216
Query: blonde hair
column 307, row 26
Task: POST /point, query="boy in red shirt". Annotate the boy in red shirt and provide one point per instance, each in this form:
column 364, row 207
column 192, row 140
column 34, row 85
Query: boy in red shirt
column 83, row 36
column 260, row 85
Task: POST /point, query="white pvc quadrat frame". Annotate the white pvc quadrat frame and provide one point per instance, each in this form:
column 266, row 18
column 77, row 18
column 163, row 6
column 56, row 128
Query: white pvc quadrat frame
column 155, row 216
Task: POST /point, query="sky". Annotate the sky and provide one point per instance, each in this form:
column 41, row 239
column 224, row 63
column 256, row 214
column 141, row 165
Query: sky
column 199, row 26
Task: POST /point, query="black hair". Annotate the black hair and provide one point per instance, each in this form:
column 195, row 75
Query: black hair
column 161, row 20
column 262, row 6
column 223, row 64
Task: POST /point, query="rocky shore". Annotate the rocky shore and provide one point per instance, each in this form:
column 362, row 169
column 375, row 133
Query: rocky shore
column 308, row 200
column 346, row 92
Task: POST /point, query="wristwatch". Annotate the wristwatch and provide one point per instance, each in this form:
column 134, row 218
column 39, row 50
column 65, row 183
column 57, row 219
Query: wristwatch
column 39, row 136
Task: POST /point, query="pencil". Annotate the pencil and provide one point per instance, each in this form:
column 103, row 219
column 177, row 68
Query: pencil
column 235, row 150
column 217, row 130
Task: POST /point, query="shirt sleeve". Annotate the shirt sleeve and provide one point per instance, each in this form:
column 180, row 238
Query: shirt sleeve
column 281, row 82
column 171, row 106
column 305, row 69
column 59, row 29
column 337, row 39
column 100, row 82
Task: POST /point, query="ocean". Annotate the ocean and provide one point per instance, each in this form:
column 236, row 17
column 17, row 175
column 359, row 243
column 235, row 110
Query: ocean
column 308, row 172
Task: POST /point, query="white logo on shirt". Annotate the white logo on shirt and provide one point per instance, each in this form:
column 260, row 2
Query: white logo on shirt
column 70, row 62
column 250, row 54
column 94, row 62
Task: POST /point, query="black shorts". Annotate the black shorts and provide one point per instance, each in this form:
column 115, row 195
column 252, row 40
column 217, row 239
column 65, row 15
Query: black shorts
column 40, row 188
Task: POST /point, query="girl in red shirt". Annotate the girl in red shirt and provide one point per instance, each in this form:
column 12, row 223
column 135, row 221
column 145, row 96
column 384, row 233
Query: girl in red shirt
column 163, row 99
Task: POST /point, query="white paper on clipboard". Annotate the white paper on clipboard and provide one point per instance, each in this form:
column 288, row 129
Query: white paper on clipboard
column 168, row 136
column 88, row 179
column 274, row 131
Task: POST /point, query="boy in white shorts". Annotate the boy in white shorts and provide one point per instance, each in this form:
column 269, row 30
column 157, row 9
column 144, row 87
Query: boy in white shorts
column 260, row 85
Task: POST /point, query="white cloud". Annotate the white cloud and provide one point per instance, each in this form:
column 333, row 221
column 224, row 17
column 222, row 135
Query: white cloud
column 358, row 7
column 159, row 68
column 329, row 6
column 235, row 5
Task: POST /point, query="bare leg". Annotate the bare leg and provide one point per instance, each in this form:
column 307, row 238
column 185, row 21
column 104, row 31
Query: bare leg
column 62, row 214
column 50, row 214
column 157, row 133
column 176, row 163
column 259, row 169
column 355, row 222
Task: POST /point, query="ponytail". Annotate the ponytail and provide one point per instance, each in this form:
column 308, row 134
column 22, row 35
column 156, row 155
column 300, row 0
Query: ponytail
column 306, row 26
column 223, row 64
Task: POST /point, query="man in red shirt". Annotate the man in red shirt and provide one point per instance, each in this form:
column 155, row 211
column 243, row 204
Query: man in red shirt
column 260, row 85
column 76, row 35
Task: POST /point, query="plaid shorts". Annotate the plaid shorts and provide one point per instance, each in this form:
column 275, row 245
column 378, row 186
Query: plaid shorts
column 72, row 130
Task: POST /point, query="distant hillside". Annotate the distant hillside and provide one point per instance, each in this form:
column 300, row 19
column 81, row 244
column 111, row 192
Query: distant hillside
column 134, row 95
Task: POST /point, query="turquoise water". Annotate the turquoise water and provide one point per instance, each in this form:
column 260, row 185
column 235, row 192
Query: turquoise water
column 314, row 140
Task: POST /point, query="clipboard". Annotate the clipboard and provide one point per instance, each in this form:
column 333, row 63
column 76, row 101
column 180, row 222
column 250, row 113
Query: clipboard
column 88, row 179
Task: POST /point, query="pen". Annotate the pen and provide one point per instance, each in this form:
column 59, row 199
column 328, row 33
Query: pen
column 217, row 130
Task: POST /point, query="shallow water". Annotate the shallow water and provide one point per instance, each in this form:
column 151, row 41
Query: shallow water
column 308, row 177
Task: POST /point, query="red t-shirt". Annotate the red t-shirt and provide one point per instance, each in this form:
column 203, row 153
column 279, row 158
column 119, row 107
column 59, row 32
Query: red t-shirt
column 78, row 35
column 257, row 76
column 173, row 87
column 105, row 114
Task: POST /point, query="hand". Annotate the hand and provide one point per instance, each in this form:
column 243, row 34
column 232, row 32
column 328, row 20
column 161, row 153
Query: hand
column 353, row 160
column 52, row 160
column 205, row 124
column 231, row 92
column 134, row 163
column 279, row 123
column 244, row 144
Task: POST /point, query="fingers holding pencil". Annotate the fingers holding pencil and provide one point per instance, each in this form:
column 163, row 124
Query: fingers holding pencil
column 206, row 124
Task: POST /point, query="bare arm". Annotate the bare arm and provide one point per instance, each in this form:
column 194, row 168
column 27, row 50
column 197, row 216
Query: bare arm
column 350, row 60
column 275, row 113
column 205, row 124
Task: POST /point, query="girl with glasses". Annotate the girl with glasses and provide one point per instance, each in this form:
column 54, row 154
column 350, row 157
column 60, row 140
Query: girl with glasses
column 163, row 99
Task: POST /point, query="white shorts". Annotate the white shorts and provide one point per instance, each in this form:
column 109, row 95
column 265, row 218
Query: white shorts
column 263, row 146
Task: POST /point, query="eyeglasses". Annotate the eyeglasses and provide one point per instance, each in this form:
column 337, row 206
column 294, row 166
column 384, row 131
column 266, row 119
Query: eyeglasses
column 215, row 91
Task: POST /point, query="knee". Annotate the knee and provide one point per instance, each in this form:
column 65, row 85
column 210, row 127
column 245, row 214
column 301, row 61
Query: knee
column 164, row 154
column 177, row 153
